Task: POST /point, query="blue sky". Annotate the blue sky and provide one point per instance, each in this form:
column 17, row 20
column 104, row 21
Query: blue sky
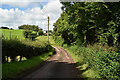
column 19, row 12
column 31, row 5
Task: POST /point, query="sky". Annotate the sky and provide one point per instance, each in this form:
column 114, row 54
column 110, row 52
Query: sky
column 14, row 13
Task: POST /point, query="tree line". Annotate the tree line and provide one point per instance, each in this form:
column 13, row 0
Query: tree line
column 89, row 23
column 2, row 27
column 92, row 31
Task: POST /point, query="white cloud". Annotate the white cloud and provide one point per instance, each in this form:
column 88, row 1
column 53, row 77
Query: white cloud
column 15, row 17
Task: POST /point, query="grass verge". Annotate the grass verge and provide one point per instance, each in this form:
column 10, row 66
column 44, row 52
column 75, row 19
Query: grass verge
column 12, row 69
column 86, row 72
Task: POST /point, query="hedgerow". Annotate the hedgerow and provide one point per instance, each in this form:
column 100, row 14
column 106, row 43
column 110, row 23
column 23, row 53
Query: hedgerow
column 28, row 49
column 105, row 63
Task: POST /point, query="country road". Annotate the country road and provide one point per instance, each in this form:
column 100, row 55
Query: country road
column 60, row 65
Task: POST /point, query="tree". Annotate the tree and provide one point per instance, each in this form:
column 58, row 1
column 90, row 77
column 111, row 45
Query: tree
column 29, row 27
column 40, row 32
column 84, row 23
column 29, row 34
column 4, row 27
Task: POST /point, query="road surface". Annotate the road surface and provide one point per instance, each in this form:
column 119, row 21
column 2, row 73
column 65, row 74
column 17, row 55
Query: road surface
column 60, row 65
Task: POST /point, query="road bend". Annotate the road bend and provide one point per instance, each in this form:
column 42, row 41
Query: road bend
column 60, row 65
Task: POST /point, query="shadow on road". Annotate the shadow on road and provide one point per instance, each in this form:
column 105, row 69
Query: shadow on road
column 59, row 66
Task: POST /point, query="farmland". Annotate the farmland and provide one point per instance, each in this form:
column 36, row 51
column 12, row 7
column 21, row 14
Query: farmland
column 44, row 38
column 18, row 33
column 35, row 52
column 85, row 42
column 14, row 34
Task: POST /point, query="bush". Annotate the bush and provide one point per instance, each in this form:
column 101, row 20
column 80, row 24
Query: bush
column 31, row 35
column 105, row 63
column 58, row 40
column 28, row 49
column 40, row 32
column 26, row 33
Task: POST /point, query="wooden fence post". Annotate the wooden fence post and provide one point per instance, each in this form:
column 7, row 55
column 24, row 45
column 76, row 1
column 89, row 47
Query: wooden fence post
column 10, row 35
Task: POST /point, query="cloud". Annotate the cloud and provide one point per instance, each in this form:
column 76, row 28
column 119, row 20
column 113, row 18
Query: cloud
column 37, row 16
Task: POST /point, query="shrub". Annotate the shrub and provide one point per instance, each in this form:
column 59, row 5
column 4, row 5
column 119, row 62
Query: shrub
column 58, row 40
column 105, row 63
column 28, row 49
column 40, row 32
column 26, row 33
column 31, row 35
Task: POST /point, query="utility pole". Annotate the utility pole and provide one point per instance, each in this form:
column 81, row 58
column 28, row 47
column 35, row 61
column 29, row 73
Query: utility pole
column 48, row 30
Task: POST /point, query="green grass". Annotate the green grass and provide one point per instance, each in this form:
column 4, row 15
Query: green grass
column 12, row 69
column 19, row 34
column 82, row 67
column 94, row 62
column 14, row 33
column 44, row 38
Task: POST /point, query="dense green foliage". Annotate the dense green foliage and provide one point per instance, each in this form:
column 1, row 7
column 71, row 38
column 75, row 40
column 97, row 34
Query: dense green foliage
column 15, row 68
column 28, row 49
column 105, row 63
column 87, row 23
column 92, row 23
column 40, row 32
column 31, row 31
column 29, row 34
column 58, row 40
column 29, row 27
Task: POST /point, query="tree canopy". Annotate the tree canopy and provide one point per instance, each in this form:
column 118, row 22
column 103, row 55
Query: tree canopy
column 88, row 23
column 29, row 27
column 4, row 27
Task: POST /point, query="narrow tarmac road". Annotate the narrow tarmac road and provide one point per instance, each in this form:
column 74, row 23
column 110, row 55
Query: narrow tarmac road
column 60, row 65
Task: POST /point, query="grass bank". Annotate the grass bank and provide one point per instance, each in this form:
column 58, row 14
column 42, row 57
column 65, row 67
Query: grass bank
column 82, row 67
column 94, row 62
column 12, row 69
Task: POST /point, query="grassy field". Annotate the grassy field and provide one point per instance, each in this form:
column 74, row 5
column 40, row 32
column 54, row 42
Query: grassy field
column 14, row 68
column 44, row 38
column 19, row 34
column 14, row 33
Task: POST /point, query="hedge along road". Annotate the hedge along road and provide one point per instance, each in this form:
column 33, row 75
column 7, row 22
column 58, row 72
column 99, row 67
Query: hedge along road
column 60, row 65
